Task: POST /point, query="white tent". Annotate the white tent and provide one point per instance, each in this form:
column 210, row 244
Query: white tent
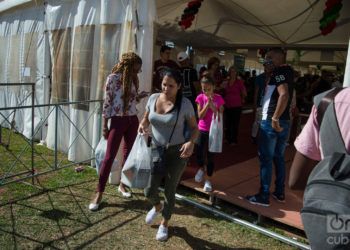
column 227, row 24
column 67, row 48
column 240, row 24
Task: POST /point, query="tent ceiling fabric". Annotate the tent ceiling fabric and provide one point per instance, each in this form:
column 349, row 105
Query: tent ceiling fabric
column 224, row 24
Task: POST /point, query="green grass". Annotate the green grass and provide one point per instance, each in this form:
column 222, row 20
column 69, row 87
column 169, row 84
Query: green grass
column 53, row 214
column 16, row 159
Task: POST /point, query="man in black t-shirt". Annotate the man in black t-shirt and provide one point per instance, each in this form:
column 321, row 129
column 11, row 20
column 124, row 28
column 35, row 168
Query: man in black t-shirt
column 190, row 78
column 160, row 66
column 274, row 127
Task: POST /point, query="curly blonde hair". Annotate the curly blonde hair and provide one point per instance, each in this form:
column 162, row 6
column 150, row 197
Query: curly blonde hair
column 126, row 66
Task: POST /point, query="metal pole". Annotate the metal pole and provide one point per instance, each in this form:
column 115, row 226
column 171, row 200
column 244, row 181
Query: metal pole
column 56, row 136
column 101, row 119
column 32, row 137
column 346, row 82
column 48, row 105
column 244, row 223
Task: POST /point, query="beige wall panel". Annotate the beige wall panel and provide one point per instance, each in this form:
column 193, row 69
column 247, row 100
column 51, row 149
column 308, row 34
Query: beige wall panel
column 109, row 48
column 30, row 59
column 3, row 56
column 62, row 41
column 82, row 64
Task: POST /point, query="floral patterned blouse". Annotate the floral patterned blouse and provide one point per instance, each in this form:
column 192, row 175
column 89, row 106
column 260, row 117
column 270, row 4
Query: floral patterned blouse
column 113, row 102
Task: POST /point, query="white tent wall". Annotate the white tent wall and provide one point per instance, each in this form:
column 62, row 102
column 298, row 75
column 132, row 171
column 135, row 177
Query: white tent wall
column 6, row 5
column 77, row 44
column 145, row 40
column 74, row 41
column 95, row 34
column 24, row 56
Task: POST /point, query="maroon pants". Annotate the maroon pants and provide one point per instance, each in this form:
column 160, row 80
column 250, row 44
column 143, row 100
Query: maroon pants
column 121, row 126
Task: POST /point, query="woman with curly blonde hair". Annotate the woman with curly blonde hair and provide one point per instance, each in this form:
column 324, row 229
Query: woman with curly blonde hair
column 121, row 96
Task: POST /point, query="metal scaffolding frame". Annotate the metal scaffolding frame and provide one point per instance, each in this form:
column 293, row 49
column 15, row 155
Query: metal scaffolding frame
column 32, row 94
column 10, row 177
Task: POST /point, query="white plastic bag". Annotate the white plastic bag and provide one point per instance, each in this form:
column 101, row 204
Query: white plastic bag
column 100, row 153
column 136, row 171
column 216, row 134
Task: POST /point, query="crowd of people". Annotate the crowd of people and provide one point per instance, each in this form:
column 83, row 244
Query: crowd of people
column 180, row 111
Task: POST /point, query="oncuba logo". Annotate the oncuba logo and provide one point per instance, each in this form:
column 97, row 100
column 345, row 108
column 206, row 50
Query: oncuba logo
column 338, row 223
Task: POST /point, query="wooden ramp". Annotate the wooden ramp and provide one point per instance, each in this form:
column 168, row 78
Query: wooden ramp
column 237, row 175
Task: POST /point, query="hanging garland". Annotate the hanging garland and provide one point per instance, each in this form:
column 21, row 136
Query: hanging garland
column 330, row 15
column 189, row 13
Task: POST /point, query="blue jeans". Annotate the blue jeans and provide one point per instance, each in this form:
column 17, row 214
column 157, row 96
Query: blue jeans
column 272, row 145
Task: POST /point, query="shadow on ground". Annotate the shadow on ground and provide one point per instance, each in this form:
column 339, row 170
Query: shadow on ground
column 58, row 218
column 195, row 242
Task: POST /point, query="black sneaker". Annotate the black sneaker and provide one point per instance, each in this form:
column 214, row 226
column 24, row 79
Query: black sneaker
column 258, row 199
column 279, row 197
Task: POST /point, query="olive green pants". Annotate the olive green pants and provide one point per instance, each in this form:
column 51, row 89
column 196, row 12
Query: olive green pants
column 174, row 169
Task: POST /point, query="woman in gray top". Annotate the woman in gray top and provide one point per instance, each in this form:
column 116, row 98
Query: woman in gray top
column 167, row 113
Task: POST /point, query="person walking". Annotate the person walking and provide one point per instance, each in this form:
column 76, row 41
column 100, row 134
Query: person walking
column 234, row 96
column 190, row 78
column 167, row 113
column 259, row 90
column 324, row 138
column 160, row 66
column 119, row 106
column 274, row 128
column 208, row 104
column 213, row 68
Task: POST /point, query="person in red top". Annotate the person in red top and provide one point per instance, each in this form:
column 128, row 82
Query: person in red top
column 162, row 65
column 234, row 94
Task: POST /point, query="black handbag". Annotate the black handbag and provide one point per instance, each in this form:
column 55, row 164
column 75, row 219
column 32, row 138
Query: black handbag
column 158, row 160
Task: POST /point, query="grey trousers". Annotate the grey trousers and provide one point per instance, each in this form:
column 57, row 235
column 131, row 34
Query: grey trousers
column 174, row 169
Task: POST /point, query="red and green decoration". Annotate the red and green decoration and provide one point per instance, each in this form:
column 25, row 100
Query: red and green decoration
column 330, row 15
column 189, row 13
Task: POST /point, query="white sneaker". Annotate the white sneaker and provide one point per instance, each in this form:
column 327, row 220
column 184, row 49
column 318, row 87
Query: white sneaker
column 207, row 187
column 124, row 194
column 93, row 206
column 152, row 214
column 162, row 233
column 199, row 175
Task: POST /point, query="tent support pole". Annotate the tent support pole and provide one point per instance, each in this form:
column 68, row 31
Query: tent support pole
column 244, row 223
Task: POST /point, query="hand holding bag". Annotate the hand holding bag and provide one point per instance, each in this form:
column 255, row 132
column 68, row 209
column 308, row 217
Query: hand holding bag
column 136, row 172
column 216, row 133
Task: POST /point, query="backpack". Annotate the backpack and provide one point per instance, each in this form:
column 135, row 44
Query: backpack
column 326, row 210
